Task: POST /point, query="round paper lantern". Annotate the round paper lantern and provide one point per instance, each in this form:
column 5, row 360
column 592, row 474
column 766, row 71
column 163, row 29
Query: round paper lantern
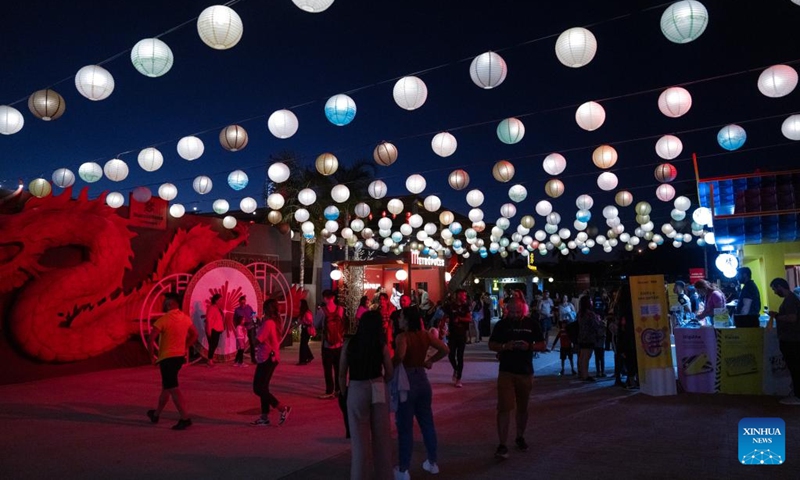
column 229, row 222
column 677, row 215
column 410, row 93
column 233, row 138
column 11, row 120
column 553, row 218
column 607, row 181
column 665, row 192
column 669, row 147
column 576, row 47
column 510, row 131
column 395, row 206
column 278, row 172
column 475, row 198
column 238, row 180
column 340, row 110
column 313, row 6
column 301, row 214
column 583, row 215
column 116, row 170
column 666, row 172
column 283, row 124
column 63, row 178
column 306, row 196
column 458, row 179
column 177, row 210
column 604, row 156
column 446, row 217
column 590, row 116
column 527, row 221
column 327, row 164
column 46, row 104
column 508, row 210
column 432, row 203
column 517, row 193
column 416, row 183
column 115, row 200
column 623, row 198
column 307, row 227
column 554, row 164
column 219, row 27
column 415, row 220
column 340, row 193
column 168, row 192
column 150, row 159
column 377, row 189
column 455, row 228
column 674, row 102
column 201, row 184
column 731, row 137
column 610, row 211
column 488, row 70
column 142, row 194
column 702, row 216
column 190, row 148
column 151, row 57
column 274, row 217
column 362, row 210
column 475, row 215
column 248, row 205
column 385, row 154
column 444, row 144
column 90, row 172
column 544, row 208
column 357, row 225
column 643, row 208
column 94, row 82
column 554, row 188
column 275, row 201
column 503, row 171
column 584, row 202
column 791, row 127
column 777, row 81
column 684, row 21
column 40, row 188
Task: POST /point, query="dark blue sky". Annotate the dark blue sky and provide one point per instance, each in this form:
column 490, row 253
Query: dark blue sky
column 288, row 58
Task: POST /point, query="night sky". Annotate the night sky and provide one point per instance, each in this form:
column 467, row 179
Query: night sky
column 288, row 58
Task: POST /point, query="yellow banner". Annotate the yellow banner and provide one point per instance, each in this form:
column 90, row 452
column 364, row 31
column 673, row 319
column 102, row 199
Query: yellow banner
column 741, row 362
column 651, row 324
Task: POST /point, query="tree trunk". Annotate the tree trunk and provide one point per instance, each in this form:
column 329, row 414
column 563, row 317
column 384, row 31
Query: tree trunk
column 302, row 280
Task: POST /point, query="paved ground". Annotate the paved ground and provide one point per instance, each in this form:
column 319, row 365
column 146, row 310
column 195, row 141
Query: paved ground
column 93, row 426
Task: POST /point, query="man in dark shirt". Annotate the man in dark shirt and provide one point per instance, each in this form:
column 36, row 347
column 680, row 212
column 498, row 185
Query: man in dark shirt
column 459, row 317
column 244, row 313
column 515, row 338
column 749, row 298
column 787, row 319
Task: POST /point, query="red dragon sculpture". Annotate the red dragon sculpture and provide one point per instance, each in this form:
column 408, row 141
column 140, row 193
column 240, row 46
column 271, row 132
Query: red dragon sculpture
column 80, row 311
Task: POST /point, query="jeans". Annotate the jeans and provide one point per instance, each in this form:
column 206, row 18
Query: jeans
column 369, row 427
column 305, row 351
column 547, row 325
column 457, row 344
column 599, row 360
column 418, row 405
column 330, row 367
column 213, row 341
column 261, row 379
column 251, row 337
column 791, row 355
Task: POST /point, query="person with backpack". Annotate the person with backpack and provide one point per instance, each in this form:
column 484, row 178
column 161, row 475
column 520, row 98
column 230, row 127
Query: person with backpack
column 330, row 321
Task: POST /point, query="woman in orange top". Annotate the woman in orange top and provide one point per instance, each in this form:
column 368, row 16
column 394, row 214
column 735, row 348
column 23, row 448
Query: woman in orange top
column 268, row 356
column 215, row 325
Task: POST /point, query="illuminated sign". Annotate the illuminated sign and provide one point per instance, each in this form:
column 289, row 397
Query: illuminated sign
column 426, row 261
column 531, row 261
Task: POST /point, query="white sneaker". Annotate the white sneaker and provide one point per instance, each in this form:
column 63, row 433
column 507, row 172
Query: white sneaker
column 430, row 467
column 790, row 400
column 398, row 475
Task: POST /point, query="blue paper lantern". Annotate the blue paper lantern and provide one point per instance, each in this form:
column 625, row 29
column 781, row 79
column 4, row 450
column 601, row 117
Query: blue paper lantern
column 331, row 212
column 585, row 250
column 583, row 215
column 457, row 244
column 426, row 251
column 397, row 237
column 237, row 180
column 340, row 109
column 455, row 228
column 731, row 137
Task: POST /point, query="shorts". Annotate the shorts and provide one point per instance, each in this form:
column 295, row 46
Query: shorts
column 169, row 371
column 566, row 352
column 513, row 390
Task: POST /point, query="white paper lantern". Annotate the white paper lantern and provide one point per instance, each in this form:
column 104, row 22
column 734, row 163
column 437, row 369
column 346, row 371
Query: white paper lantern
column 554, row 164
column 362, row 210
column 416, row 184
column 475, row 215
column 677, row 215
column 248, row 205
column 90, row 172
column 665, row 192
column 340, row 110
column 150, row 159
column 306, row 196
column 313, row 6
column 475, row 198
column 623, row 198
column 331, row 226
column 584, row 202
column 63, row 178
column 410, row 93
column 669, row 147
column 488, row 70
column 229, row 222
column 357, row 225
column 151, row 57
column 554, row 188
column 276, row 201
column 674, row 102
column 508, row 210
column 610, row 211
column 94, row 82
column 553, row 218
column 279, row 172
column 395, row 206
column 301, row 214
column 702, row 216
column 115, row 200
column 11, row 120
column 510, row 131
column 791, row 127
column 177, row 210
column 458, row 179
column 415, row 220
column 233, row 138
column 684, row 21
column 116, row 170
column 682, row 203
column 604, row 156
column 777, row 81
column 168, row 192
column 444, row 144
column 590, row 116
column 385, row 223
column 543, row 208
column 406, row 230
column 40, row 187
column 517, row 193
column 503, row 171
column 377, row 189
column 385, row 154
column 221, row 206
column 201, row 184
column 576, row 47
column 340, row 193
column 283, row 124
column 190, row 148
column 607, row 181
column 219, row 27
column 432, row 203
column 142, row 194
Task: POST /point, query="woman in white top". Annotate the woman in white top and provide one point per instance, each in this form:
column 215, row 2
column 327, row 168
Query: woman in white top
column 566, row 311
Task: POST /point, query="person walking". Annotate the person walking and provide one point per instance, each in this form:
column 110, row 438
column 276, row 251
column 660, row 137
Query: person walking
column 459, row 318
column 787, row 319
column 366, row 358
column 215, row 325
column 587, row 336
column 330, row 320
column 307, row 330
column 545, row 308
column 477, row 316
column 246, row 316
column 565, row 346
column 412, row 350
column 268, row 356
column 176, row 333
column 515, row 338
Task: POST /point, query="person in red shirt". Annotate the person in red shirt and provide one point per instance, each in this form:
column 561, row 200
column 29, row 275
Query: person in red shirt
column 565, row 345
